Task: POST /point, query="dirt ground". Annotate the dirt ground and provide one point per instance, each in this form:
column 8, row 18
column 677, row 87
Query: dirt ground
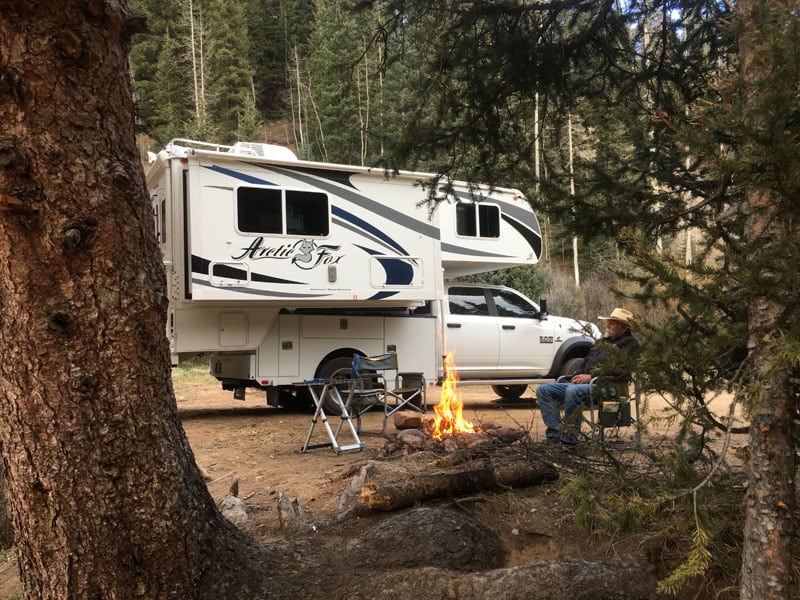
column 260, row 446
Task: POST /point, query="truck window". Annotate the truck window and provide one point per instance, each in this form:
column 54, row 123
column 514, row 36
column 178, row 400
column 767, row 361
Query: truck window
column 512, row 305
column 478, row 220
column 467, row 301
column 282, row 212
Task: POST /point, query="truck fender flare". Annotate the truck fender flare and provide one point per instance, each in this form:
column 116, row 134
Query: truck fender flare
column 574, row 347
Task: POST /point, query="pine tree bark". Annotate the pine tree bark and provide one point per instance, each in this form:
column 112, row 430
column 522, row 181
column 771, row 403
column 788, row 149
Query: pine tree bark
column 104, row 494
column 769, row 527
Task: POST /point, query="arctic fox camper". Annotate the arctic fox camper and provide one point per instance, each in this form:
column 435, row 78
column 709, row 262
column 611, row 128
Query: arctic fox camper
column 280, row 270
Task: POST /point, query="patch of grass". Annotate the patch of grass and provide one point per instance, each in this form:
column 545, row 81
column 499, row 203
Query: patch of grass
column 192, row 371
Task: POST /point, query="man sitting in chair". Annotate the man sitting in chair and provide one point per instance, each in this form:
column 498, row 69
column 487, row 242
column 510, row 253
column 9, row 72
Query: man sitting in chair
column 575, row 392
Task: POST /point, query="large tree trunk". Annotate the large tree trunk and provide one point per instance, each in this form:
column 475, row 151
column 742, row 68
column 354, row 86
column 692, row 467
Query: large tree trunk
column 769, row 528
column 104, row 494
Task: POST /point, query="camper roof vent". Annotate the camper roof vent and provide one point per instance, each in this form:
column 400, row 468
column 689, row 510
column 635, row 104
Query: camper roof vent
column 263, row 151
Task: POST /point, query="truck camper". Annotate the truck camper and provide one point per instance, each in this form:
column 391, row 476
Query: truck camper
column 280, row 270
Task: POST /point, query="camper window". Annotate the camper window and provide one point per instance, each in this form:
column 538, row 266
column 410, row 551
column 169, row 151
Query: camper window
column 282, row 212
column 478, row 220
column 306, row 213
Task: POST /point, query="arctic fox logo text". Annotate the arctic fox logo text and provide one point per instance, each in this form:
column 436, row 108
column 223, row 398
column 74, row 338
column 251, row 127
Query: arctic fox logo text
column 304, row 254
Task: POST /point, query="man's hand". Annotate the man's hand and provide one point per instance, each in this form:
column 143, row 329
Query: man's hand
column 581, row 378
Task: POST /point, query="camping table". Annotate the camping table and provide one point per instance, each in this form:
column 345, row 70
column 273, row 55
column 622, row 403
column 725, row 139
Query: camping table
column 320, row 390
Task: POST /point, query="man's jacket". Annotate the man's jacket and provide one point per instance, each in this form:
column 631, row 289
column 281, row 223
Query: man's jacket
column 592, row 363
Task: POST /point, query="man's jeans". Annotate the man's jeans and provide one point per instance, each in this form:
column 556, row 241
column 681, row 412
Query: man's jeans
column 573, row 395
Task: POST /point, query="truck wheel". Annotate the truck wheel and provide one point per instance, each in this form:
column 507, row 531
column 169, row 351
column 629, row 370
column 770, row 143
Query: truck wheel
column 339, row 367
column 509, row 392
column 569, row 367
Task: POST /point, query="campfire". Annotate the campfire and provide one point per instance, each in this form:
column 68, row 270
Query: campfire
column 449, row 420
column 448, row 431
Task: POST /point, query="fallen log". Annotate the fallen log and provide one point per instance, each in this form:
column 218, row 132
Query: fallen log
column 394, row 495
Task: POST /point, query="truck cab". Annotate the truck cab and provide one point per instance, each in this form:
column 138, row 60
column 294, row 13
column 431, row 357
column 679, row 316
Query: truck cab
column 495, row 332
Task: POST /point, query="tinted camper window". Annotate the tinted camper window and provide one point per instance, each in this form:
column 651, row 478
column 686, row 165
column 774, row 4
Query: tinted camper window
column 276, row 211
column 477, row 220
column 306, row 213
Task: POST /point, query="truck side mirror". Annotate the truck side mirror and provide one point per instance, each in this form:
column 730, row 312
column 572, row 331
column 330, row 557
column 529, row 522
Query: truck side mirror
column 543, row 309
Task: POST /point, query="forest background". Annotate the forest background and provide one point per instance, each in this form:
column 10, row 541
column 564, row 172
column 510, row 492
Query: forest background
column 658, row 141
column 336, row 85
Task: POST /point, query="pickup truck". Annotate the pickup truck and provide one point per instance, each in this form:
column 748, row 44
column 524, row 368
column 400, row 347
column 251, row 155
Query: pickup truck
column 498, row 336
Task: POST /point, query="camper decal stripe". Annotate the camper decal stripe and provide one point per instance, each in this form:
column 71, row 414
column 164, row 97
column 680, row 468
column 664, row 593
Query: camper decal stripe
column 360, row 200
column 363, row 234
column 382, row 295
column 531, row 237
column 398, row 270
column 201, row 266
column 238, row 175
column 471, row 251
column 372, row 230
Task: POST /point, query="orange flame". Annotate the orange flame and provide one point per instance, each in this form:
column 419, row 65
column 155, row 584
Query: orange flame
column 448, row 421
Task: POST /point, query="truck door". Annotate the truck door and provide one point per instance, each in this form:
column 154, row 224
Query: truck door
column 526, row 344
column 471, row 332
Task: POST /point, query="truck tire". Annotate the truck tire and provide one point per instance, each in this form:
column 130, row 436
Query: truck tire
column 338, row 367
column 569, row 366
column 510, row 392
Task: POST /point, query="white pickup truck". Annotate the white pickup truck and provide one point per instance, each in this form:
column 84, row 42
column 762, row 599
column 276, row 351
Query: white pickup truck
column 498, row 336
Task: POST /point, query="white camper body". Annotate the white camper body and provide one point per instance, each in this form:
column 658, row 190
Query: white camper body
column 275, row 266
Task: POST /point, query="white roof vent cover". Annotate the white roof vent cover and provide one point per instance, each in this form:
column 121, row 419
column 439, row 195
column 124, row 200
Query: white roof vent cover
column 263, row 151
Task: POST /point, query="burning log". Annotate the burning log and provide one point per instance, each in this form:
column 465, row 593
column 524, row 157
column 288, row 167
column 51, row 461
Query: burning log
column 402, row 493
column 449, row 420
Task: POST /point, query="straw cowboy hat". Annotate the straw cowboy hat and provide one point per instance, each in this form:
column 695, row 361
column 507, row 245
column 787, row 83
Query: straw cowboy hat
column 620, row 314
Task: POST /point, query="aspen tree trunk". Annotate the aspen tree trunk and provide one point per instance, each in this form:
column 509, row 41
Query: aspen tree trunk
column 104, row 495
column 769, row 528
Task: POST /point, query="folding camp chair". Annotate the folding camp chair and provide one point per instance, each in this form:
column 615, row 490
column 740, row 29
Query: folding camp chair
column 611, row 402
column 369, row 388
column 609, row 405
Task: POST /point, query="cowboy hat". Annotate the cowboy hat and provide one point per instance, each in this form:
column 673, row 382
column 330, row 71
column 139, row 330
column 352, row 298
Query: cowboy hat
column 620, row 314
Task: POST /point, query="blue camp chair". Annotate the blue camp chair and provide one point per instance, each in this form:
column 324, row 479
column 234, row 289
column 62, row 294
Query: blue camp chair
column 369, row 387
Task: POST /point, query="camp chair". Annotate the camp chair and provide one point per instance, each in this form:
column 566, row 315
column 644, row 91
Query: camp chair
column 369, row 388
column 609, row 405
